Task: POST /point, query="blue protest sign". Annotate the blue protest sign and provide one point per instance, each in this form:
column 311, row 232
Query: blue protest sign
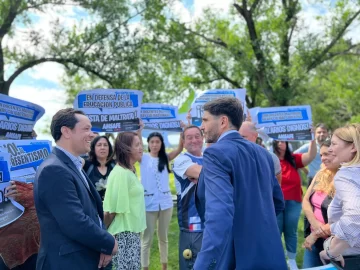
column 160, row 117
column 111, row 110
column 287, row 123
column 18, row 117
column 197, row 106
column 24, row 157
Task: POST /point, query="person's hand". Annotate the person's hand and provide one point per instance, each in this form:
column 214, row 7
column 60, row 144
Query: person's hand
column 309, row 241
column 326, row 259
column 104, row 260
column 182, row 124
column 11, row 191
column 316, row 225
column 319, row 231
column 194, row 180
column 115, row 249
column 141, row 126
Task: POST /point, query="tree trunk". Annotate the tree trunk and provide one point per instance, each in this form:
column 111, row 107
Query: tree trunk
column 4, row 88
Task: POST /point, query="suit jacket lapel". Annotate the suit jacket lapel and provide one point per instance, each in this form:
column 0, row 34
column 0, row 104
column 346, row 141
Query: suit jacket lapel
column 61, row 155
column 96, row 196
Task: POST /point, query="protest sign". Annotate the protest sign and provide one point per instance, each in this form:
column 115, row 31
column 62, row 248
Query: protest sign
column 288, row 123
column 160, row 117
column 10, row 210
column 111, row 110
column 4, row 167
column 18, row 117
column 24, row 157
column 197, row 106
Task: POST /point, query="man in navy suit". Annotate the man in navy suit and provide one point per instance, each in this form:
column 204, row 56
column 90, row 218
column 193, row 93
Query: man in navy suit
column 68, row 206
column 237, row 196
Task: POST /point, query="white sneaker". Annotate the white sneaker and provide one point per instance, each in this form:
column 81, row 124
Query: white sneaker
column 292, row 265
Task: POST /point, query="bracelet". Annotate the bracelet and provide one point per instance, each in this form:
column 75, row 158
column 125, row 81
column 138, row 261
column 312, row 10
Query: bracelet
column 332, row 257
column 327, row 245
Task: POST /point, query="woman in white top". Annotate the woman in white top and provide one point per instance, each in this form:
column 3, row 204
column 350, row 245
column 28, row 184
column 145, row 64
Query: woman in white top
column 154, row 168
column 344, row 210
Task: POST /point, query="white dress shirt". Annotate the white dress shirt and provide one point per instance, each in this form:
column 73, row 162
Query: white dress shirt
column 156, row 184
column 344, row 210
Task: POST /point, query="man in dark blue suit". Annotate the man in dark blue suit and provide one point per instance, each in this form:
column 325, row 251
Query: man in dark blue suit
column 68, row 206
column 238, row 196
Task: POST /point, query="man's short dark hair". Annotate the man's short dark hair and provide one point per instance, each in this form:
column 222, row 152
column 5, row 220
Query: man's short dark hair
column 189, row 127
column 321, row 125
column 63, row 118
column 231, row 107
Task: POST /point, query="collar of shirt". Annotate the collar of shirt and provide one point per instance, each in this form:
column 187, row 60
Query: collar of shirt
column 76, row 160
column 226, row 133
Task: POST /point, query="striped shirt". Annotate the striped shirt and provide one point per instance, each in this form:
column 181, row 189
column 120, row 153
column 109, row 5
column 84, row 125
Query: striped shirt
column 78, row 164
column 344, row 210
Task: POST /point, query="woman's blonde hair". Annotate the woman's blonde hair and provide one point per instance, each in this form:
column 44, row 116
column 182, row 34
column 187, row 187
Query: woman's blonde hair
column 324, row 181
column 350, row 134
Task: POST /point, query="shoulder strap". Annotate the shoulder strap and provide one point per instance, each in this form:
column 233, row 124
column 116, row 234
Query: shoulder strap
column 90, row 169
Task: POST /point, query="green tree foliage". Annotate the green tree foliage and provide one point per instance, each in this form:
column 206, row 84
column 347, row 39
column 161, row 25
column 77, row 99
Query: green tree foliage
column 260, row 45
column 335, row 92
column 106, row 49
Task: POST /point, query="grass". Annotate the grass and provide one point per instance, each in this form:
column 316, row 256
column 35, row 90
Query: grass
column 174, row 236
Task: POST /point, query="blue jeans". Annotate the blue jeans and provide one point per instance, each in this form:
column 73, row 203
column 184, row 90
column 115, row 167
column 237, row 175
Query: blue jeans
column 288, row 224
column 312, row 258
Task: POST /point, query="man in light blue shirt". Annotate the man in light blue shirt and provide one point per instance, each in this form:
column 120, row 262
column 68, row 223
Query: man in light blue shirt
column 321, row 133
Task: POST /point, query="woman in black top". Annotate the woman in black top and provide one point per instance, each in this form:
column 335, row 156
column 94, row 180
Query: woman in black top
column 99, row 164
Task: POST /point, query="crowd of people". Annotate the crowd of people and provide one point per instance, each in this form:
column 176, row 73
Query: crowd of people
column 89, row 209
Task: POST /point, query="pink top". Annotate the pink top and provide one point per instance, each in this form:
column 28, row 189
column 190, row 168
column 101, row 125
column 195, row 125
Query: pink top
column 316, row 200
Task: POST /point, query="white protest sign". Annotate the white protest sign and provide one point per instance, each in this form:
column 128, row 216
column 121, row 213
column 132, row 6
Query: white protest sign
column 288, row 123
column 197, row 106
column 18, row 117
column 160, row 117
column 111, row 110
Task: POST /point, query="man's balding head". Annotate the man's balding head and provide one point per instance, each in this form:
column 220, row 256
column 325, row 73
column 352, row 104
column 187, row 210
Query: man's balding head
column 248, row 131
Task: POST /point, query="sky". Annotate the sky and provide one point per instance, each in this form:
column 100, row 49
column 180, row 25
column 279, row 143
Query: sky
column 42, row 84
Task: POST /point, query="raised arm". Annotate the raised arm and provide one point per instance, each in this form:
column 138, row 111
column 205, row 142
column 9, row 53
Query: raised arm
column 139, row 133
column 306, row 158
column 172, row 155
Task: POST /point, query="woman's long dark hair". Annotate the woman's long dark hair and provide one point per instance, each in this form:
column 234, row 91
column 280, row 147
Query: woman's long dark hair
column 288, row 155
column 163, row 158
column 92, row 155
column 122, row 149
